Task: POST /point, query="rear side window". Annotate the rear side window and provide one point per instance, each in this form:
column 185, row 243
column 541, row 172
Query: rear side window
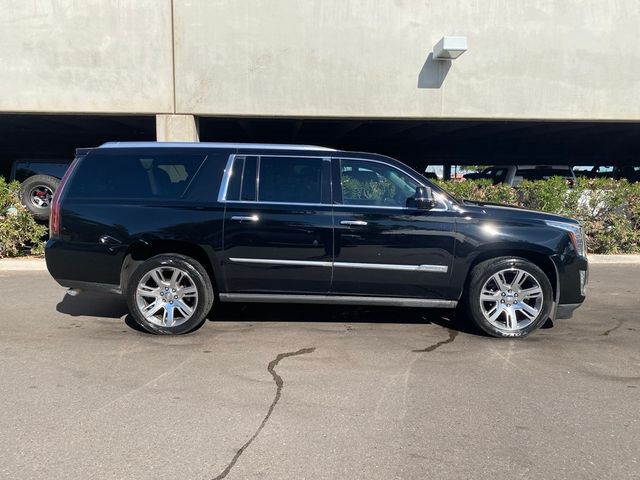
column 133, row 175
column 290, row 179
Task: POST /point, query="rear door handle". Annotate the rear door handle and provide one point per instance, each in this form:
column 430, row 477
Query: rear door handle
column 241, row 218
column 360, row 223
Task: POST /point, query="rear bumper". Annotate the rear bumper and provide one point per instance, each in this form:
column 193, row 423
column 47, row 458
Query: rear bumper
column 82, row 262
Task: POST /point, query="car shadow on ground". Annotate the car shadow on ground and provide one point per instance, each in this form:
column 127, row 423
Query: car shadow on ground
column 100, row 305
column 289, row 312
column 92, row 304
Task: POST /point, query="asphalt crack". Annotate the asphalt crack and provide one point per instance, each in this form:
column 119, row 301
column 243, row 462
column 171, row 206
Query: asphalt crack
column 607, row 332
column 271, row 368
column 452, row 335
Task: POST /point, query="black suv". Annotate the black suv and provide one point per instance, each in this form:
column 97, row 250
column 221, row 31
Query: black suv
column 177, row 226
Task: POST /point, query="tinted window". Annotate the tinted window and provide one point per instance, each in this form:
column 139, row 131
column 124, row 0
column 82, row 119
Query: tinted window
column 499, row 175
column 290, row 179
column 25, row 170
column 242, row 184
column 235, row 179
column 543, row 173
column 372, row 183
column 248, row 184
column 166, row 176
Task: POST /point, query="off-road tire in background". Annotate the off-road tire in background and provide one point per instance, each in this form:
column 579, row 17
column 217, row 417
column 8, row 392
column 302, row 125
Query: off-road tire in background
column 36, row 193
column 508, row 297
column 170, row 294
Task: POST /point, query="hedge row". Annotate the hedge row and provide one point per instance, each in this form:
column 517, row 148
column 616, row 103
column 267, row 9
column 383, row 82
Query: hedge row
column 608, row 209
column 20, row 234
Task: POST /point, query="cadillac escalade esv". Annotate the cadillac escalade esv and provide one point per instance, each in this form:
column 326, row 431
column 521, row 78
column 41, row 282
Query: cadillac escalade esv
column 177, row 227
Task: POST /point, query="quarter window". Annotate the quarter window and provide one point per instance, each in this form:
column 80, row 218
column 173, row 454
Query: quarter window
column 375, row 184
column 135, row 175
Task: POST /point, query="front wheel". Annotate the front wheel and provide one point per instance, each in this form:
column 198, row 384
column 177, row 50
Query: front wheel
column 170, row 294
column 508, row 297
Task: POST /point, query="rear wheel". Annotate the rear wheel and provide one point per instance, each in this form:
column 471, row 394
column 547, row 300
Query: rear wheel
column 508, row 297
column 36, row 194
column 170, row 294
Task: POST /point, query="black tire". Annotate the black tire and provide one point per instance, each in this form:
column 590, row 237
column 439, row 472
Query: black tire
column 36, row 194
column 508, row 306
column 168, row 263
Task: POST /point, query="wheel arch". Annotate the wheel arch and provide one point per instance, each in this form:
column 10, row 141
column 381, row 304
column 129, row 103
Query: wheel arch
column 142, row 250
column 541, row 260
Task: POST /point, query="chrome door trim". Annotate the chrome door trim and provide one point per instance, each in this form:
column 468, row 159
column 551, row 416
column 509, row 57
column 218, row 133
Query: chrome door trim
column 391, row 266
column 360, row 223
column 245, row 218
column 373, row 266
column 291, row 263
column 338, row 299
column 226, row 176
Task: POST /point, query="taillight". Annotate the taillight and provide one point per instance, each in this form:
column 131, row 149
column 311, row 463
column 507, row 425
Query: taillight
column 54, row 218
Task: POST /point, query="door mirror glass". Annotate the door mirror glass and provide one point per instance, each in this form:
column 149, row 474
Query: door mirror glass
column 422, row 200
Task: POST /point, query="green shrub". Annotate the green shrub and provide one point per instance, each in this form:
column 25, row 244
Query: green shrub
column 19, row 232
column 608, row 209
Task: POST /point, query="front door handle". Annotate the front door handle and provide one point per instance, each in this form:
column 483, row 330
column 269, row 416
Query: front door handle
column 360, row 223
column 241, row 218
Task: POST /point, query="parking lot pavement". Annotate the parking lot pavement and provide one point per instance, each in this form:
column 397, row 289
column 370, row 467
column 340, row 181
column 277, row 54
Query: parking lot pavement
column 293, row 392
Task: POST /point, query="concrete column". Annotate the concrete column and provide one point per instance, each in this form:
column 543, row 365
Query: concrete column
column 177, row 128
column 446, row 171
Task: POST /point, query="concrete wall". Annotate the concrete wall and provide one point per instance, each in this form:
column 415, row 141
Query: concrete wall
column 86, row 56
column 564, row 59
column 547, row 59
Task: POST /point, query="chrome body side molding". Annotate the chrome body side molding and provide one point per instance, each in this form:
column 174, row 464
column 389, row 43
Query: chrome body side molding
column 290, row 263
column 371, row 266
column 390, row 266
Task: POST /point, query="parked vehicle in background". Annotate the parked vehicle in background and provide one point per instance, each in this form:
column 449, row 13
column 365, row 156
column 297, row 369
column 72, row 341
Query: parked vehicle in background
column 618, row 172
column 40, row 179
column 175, row 227
column 514, row 175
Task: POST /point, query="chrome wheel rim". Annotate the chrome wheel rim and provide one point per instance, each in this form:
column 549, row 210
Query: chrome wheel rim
column 167, row 296
column 40, row 196
column 511, row 299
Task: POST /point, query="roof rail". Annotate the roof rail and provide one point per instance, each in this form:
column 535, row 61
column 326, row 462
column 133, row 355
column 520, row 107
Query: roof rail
column 262, row 146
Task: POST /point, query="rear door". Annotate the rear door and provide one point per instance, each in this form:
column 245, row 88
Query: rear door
column 382, row 247
column 278, row 224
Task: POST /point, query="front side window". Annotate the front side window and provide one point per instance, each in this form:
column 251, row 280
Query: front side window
column 375, row 184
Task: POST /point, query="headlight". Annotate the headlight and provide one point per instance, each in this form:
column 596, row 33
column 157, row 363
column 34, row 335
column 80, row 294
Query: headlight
column 576, row 234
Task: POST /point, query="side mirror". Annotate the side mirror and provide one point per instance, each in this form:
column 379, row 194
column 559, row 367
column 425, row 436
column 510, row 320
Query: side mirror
column 422, row 200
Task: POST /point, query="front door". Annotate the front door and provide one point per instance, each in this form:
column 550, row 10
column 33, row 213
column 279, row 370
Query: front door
column 383, row 248
column 278, row 225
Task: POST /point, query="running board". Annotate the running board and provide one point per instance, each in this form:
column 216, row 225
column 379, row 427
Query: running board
column 337, row 299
